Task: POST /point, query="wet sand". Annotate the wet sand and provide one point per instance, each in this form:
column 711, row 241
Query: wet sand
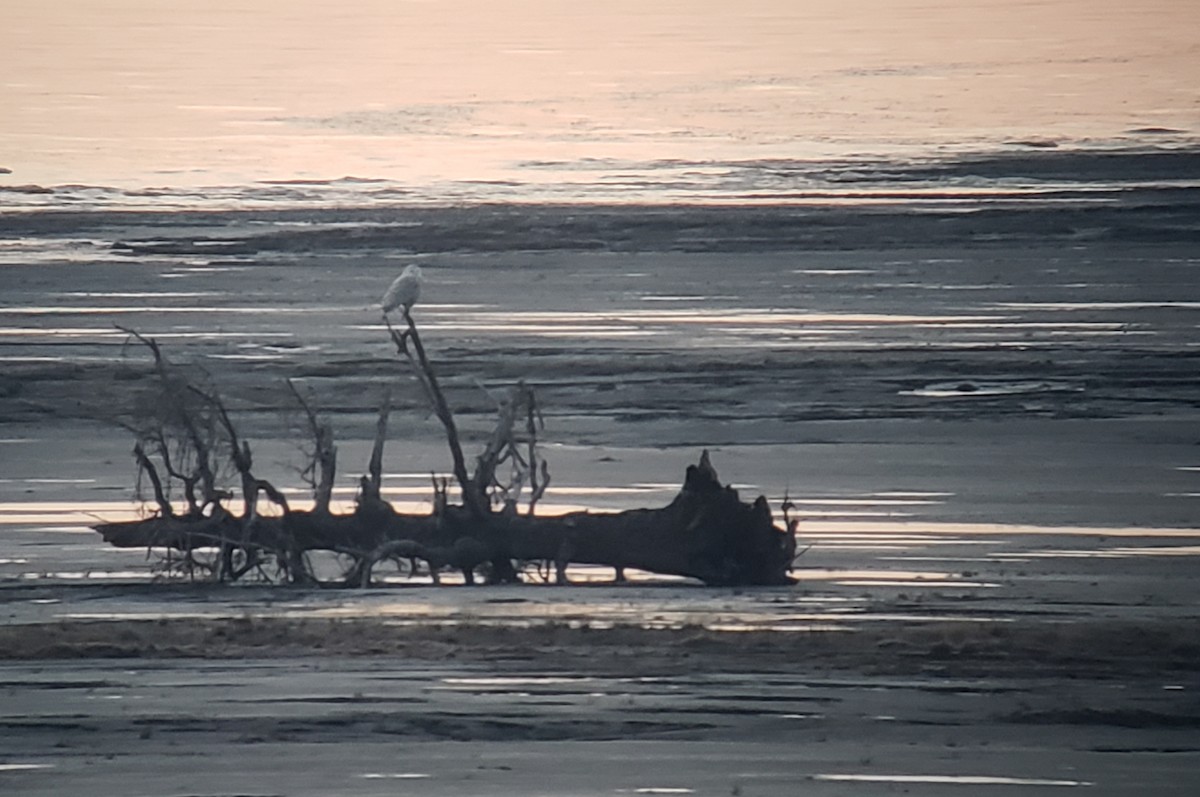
column 990, row 436
column 306, row 706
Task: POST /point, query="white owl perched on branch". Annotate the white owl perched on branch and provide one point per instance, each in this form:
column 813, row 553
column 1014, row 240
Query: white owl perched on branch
column 405, row 291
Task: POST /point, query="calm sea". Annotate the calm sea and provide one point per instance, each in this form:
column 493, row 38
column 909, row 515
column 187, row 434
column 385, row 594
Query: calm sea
column 151, row 103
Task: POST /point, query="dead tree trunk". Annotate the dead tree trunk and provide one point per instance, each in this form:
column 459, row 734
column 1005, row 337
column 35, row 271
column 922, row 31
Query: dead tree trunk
column 707, row 533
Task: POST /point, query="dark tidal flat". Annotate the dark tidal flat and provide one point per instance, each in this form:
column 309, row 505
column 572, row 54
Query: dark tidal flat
column 983, row 403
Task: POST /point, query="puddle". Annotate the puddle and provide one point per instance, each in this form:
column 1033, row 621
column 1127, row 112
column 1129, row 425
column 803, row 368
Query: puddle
column 60, row 332
column 246, row 357
column 46, row 514
column 893, row 501
column 1116, row 553
column 240, row 310
column 898, row 583
column 1099, row 305
column 962, row 780
column 18, row 358
column 911, row 494
column 90, row 575
column 140, row 294
column 996, row 529
column 974, row 389
column 515, row 681
column 832, row 272
column 216, row 613
column 907, row 576
column 805, row 628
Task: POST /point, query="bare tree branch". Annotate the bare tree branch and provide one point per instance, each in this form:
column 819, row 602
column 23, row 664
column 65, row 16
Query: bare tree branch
column 475, row 501
column 160, row 497
column 174, row 392
column 324, row 454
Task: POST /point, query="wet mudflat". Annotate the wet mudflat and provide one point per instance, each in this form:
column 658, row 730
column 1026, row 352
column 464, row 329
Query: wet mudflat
column 379, row 725
column 990, row 442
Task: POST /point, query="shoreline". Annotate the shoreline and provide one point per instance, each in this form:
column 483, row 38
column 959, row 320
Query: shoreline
column 1033, row 171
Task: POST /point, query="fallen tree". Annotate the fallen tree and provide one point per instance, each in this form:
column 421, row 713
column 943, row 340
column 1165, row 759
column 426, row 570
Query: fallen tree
column 707, row 532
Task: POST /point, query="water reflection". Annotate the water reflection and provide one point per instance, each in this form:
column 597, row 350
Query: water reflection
column 781, row 329
column 517, row 680
column 171, row 309
column 961, row 780
column 40, row 325
column 892, row 578
column 995, row 529
column 856, row 572
column 1123, row 305
column 1117, row 553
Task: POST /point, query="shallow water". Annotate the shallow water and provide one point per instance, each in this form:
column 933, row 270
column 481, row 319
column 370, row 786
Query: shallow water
column 274, row 104
column 895, row 568
column 960, row 780
column 534, row 730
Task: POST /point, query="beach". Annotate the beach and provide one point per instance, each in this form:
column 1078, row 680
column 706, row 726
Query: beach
column 921, row 274
column 985, row 417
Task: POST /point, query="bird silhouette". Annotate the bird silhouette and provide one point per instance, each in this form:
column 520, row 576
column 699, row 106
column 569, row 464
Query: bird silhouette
column 404, row 291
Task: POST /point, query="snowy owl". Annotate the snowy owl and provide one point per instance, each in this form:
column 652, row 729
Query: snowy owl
column 405, row 291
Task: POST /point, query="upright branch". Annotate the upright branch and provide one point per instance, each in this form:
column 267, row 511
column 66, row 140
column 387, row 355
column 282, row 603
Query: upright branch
column 475, row 501
column 791, row 525
column 370, row 486
column 252, row 542
column 322, row 467
column 162, row 447
column 539, row 469
column 505, row 445
column 147, row 467
column 500, row 445
column 441, row 495
column 239, row 451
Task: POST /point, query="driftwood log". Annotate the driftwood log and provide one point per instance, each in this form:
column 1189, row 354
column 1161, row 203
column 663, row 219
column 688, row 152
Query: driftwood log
column 707, row 532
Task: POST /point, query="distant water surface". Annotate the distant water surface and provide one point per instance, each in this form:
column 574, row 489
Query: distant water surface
column 537, row 99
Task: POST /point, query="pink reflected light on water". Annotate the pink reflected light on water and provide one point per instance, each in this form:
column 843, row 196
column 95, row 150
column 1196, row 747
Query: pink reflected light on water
column 425, row 93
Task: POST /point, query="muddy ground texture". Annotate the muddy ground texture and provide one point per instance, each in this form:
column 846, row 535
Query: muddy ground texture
column 1026, row 362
